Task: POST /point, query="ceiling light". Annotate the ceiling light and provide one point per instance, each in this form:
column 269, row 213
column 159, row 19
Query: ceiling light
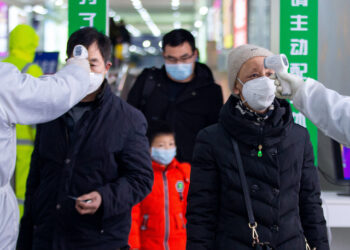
column 132, row 48
column 203, row 10
column 59, row 2
column 177, row 25
column 152, row 50
column 112, row 13
column 134, row 32
column 175, row 4
column 198, row 24
column 39, row 9
column 146, row 17
column 146, row 43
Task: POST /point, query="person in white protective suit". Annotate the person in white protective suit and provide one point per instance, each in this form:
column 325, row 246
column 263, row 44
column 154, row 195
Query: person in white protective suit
column 327, row 109
column 28, row 100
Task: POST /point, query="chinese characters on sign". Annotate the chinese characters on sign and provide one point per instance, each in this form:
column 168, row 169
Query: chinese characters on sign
column 298, row 40
column 88, row 13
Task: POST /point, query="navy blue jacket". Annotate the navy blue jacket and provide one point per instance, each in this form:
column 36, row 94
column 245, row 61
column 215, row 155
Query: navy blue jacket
column 110, row 154
column 283, row 184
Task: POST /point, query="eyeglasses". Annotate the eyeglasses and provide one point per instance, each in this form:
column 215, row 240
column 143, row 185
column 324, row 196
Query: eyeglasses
column 174, row 60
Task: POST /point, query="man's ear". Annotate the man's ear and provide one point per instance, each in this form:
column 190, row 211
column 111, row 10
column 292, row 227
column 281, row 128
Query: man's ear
column 196, row 53
column 108, row 65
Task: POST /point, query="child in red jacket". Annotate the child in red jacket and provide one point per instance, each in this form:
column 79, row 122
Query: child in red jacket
column 158, row 222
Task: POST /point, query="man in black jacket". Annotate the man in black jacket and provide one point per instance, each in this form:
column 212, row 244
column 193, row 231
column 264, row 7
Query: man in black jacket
column 182, row 93
column 89, row 167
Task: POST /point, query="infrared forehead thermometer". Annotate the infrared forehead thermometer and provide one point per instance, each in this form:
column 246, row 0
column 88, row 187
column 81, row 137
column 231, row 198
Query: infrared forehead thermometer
column 279, row 63
column 80, row 51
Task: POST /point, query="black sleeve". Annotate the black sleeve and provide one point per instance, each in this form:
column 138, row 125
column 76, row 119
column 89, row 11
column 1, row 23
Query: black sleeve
column 311, row 212
column 26, row 226
column 216, row 105
column 203, row 196
column 135, row 94
column 136, row 174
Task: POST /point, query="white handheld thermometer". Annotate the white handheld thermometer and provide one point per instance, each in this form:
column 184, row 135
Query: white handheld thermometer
column 279, row 63
column 80, row 52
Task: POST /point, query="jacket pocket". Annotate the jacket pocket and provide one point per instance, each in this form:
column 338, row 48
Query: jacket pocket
column 180, row 221
column 88, row 167
column 144, row 222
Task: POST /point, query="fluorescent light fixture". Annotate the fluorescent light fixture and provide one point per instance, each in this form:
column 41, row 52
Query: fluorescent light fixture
column 112, row 13
column 132, row 48
column 152, row 50
column 177, row 25
column 39, row 9
column 59, row 2
column 198, row 24
column 175, row 3
column 146, row 43
column 146, row 17
column 160, row 44
column 134, row 31
column 203, row 10
column 28, row 8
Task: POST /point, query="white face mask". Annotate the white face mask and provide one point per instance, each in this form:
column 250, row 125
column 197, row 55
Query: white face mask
column 259, row 93
column 96, row 79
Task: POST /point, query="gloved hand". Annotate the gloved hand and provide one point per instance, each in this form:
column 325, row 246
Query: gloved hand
column 82, row 62
column 295, row 82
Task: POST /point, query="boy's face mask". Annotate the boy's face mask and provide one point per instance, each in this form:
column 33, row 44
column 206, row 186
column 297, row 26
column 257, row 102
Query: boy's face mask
column 163, row 156
column 259, row 93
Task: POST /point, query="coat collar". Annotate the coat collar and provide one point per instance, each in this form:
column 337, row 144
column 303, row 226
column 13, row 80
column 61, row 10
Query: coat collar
column 162, row 168
column 250, row 132
column 202, row 77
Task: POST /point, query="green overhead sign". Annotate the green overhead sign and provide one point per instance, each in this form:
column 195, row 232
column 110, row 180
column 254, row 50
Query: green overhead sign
column 298, row 40
column 88, row 13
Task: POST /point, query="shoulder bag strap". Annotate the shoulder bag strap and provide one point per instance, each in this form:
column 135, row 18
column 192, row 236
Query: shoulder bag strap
column 244, row 184
column 248, row 204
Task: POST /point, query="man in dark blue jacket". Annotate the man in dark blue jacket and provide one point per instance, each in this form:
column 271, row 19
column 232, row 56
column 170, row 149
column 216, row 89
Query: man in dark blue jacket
column 89, row 167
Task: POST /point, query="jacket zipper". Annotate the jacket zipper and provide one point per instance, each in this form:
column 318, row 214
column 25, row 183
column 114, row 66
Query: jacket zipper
column 166, row 211
column 260, row 147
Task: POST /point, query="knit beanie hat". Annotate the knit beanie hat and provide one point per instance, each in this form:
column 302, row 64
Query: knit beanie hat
column 238, row 56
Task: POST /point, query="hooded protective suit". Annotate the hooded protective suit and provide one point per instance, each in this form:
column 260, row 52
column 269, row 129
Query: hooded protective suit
column 28, row 100
column 23, row 43
column 327, row 109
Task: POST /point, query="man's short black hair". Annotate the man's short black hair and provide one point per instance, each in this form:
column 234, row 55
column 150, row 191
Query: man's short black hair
column 177, row 37
column 157, row 128
column 87, row 36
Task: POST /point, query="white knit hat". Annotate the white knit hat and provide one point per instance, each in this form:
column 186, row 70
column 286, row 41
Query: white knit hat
column 238, row 56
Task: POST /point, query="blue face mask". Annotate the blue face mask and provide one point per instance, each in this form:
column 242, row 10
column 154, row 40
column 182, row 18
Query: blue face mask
column 180, row 71
column 163, row 156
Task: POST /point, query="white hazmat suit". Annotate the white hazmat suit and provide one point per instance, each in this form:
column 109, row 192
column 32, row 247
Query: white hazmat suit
column 327, row 109
column 28, row 100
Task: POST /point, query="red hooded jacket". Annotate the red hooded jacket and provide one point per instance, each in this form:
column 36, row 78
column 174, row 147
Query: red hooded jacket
column 158, row 222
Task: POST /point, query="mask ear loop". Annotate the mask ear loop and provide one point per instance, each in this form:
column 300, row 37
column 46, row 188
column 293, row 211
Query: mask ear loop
column 239, row 80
